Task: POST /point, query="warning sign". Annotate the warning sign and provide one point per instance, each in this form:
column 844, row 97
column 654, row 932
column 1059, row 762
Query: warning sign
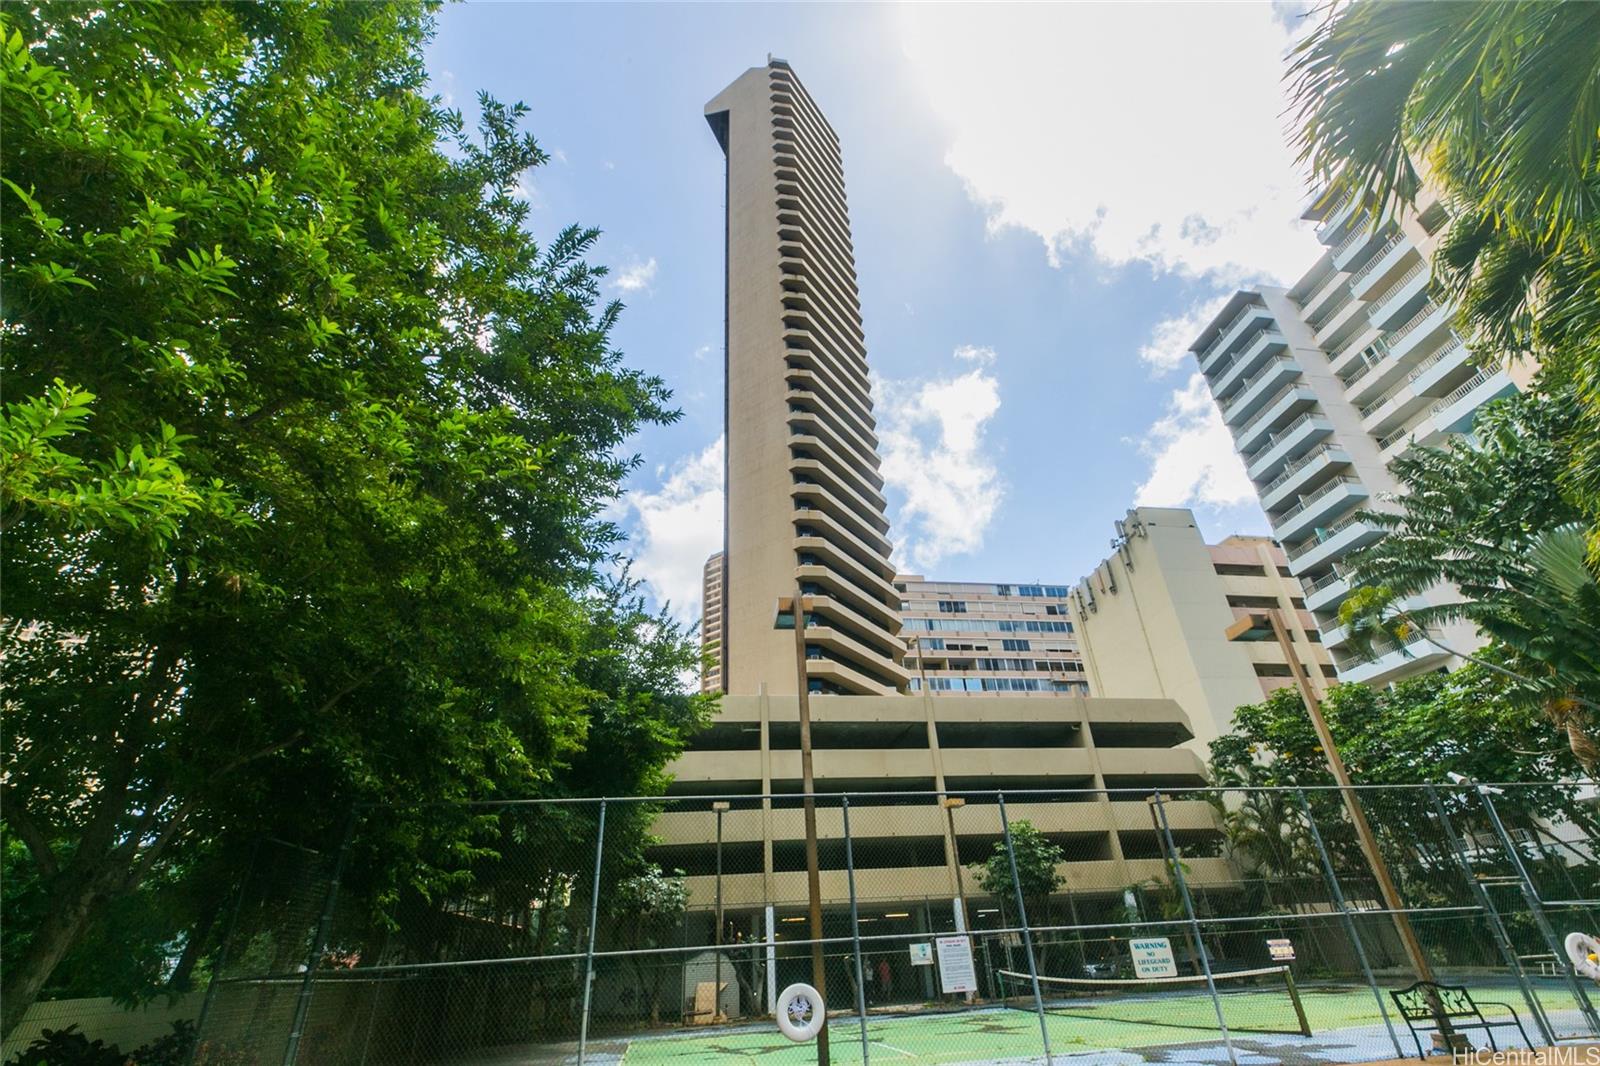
column 955, row 965
column 1152, row 957
column 1281, row 950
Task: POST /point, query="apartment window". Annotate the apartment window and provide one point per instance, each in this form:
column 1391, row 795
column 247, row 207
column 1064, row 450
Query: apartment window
column 1057, row 591
column 953, row 606
column 1002, row 590
column 1433, row 218
column 1283, row 571
column 1252, row 601
column 1014, row 644
column 1273, row 670
column 1030, row 590
column 1239, row 570
column 1297, row 603
column 1328, row 670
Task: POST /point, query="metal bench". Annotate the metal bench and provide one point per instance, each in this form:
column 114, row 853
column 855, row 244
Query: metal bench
column 1457, row 1004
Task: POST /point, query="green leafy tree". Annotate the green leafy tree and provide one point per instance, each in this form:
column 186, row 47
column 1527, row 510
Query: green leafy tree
column 1498, row 105
column 1491, row 520
column 306, row 475
column 648, row 909
column 1038, row 859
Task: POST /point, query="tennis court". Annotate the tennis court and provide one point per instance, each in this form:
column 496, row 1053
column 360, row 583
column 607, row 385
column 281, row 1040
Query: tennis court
column 1344, row 1021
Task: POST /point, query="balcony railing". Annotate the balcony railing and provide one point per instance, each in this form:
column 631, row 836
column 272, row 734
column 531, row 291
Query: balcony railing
column 1454, row 345
column 1330, row 310
column 1360, row 233
column 1405, row 279
column 1377, row 257
column 1332, row 215
column 1322, row 582
column 1388, row 440
column 1307, row 501
column 1247, row 309
column 1396, row 336
column 1321, row 536
column 1372, row 408
column 1266, row 410
column 1465, row 387
column 1244, row 386
column 1278, row 436
column 1289, row 471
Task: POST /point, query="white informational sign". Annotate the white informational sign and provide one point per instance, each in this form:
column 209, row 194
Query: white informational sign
column 1152, row 957
column 955, row 964
column 922, row 954
column 1281, row 950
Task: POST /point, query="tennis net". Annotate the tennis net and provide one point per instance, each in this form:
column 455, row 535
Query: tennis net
column 1263, row 1000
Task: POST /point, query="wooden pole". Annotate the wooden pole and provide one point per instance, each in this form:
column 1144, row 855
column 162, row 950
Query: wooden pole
column 813, row 877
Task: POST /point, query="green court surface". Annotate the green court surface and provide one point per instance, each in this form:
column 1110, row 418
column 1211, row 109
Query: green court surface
column 1005, row 1034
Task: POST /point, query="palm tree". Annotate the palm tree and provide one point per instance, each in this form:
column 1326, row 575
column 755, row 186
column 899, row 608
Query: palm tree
column 1498, row 105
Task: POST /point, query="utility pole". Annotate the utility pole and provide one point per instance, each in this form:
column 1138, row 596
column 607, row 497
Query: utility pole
column 807, row 783
column 719, row 806
column 1352, row 802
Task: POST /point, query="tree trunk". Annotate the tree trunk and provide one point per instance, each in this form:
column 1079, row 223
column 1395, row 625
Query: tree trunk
column 78, row 899
column 199, row 937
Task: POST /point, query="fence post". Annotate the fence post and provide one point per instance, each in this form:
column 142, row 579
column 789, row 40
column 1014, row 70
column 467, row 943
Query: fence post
column 1199, row 937
column 1027, row 936
column 1349, row 923
column 855, row 927
column 1496, row 927
column 1531, row 896
column 319, row 941
column 594, row 916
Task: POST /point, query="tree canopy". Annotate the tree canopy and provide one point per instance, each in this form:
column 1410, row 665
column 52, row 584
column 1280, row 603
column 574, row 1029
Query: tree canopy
column 306, row 472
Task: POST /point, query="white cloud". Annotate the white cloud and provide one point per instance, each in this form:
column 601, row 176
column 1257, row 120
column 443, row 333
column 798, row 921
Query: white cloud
column 1142, row 133
column 636, row 276
column 677, row 527
column 931, row 435
column 1192, row 458
column 1168, row 346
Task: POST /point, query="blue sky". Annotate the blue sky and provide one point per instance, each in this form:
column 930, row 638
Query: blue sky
column 1046, row 202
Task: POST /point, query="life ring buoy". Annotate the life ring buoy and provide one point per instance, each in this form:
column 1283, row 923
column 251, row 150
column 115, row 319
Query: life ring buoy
column 1584, row 952
column 800, row 1013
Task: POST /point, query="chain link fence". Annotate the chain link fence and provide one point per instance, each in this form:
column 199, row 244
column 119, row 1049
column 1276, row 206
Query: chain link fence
column 1240, row 925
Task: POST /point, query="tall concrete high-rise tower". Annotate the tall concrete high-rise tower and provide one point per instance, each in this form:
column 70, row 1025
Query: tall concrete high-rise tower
column 805, row 502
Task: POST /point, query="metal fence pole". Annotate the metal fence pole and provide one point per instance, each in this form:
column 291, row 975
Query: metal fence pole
column 1027, row 936
column 319, row 941
column 588, row 955
column 1535, row 906
column 1194, row 921
column 855, row 927
column 1349, row 923
column 1496, row 927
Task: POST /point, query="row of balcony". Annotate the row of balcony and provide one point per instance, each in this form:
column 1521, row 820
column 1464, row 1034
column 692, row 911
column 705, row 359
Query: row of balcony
column 1299, row 472
column 1332, row 497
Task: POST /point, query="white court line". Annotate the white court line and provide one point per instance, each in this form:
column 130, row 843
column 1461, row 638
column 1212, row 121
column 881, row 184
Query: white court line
column 891, row 1047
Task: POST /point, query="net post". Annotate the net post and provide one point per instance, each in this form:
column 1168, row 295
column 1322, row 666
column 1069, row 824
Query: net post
column 1294, row 998
column 319, row 940
column 1496, row 926
column 588, row 955
column 1188, row 906
column 1349, row 923
column 855, row 927
column 1027, row 936
column 1535, row 905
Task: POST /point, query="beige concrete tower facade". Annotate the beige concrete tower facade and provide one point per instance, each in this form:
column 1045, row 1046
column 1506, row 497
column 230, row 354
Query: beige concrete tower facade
column 711, row 625
column 805, row 499
column 1151, row 620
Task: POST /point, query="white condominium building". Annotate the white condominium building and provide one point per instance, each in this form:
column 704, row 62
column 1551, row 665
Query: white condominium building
column 1323, row 384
